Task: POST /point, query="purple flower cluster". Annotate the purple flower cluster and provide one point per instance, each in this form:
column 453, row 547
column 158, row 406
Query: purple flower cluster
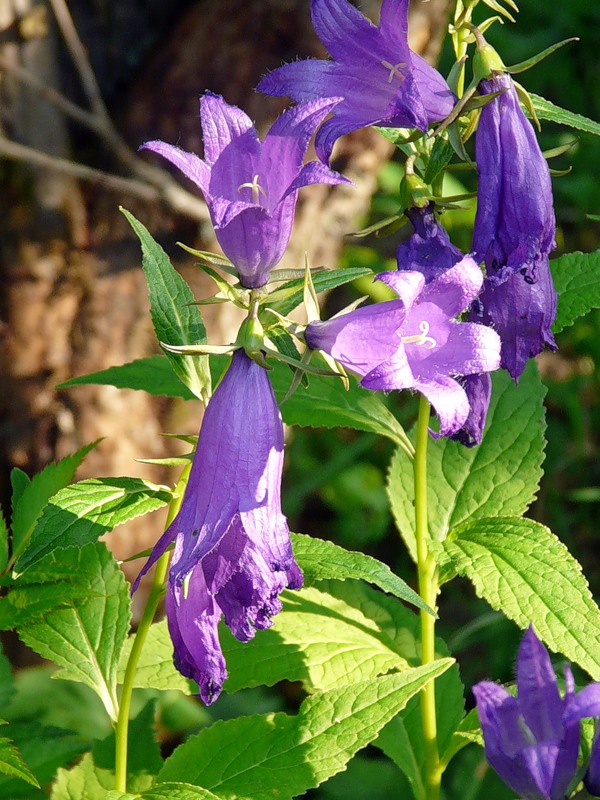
column 532, row 740
column 232, row 555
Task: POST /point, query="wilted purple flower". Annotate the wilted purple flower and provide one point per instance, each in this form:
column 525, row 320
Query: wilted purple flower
column 251, row 187
column 381, row 81
column 232, row 553
column 414, row 342
column 478, row 389
column 532, row 740
column 429, row 249
column 514, row 227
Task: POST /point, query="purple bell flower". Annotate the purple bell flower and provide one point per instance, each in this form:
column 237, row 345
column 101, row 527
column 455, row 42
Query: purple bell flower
column 478, row 389
column 429, row 249
column 587, row 704
column 415, row 342
column 514, row 227
column 251, row 187
column 532, row 740
column 381, row 81
column 232, row 553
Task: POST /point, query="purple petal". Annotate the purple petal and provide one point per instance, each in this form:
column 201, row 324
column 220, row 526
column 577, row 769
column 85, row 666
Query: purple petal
column 592, row 776
column 407, row 285
column 393, row 20
column 448, row 399
column 429, row 249
column 479, row 392
column 539, row 761
column 435, row 96
column 586, row 703
column 285, row 146
column 316, row 172
column 236, row 167
column 362, row 339
column 345, row 32
column 301, row 80
column 455, row 288
column 469, row 349
column 221, row 125
column 191, row 165
column 539, row 697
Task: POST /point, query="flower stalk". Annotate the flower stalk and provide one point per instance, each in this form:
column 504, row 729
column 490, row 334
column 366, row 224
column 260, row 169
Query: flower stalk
column 428, row 590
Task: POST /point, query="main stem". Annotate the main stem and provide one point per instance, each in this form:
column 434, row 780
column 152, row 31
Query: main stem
column 154, row 597
column 428, row 590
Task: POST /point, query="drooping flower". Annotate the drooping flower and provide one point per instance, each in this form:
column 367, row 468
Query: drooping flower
column 251, row 187
column 232, row 554
column 478, row 389
column 429, row 249
column 381, row 81
column 532, row 740
column 514, row 227
column 415, row 342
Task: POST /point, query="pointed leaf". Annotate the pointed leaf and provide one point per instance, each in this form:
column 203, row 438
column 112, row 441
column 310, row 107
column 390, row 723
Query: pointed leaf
column 547, row 110
column 284, row 756
column 167, row 791
column 3, row 543
column 322, row 560
column 35, row 495
column 81, row 513
column 288, row 296
column 19, row 481
column 11, row 761
column 175, row 321
column 522, row 569
column 577, row 280
column 86, row 639
column 82, row 782
column 153, row 375
column 498, row 477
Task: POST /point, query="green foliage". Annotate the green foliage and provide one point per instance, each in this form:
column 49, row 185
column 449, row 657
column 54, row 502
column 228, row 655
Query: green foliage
column 11, row 761
column 83, row 782
column 86, row 637
column 31, row 497
column 289, row 754
column 143, row 755
column 153, row 375
column 577, row 281
column 522, row 569
column 547, row 110
column 288, row 296
column 499, row 477
column 155, row 668
column 176, row 320
column 322, row 560
column 79, row 514
column 167, row 791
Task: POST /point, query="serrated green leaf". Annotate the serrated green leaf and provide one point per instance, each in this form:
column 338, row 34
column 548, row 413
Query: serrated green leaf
column 19, row 481
column 11, row 762
column 27, row 603
column 7, row 681
column 467, row 732
column 155, row 668
column 324, row 403
column 176, row 320
column 82, row 782
column 284, row 756
column 325, row 637
column 86, row 639
column 153, row 375
column 81, row 513
column 577, row 280
column 522, row 569
column 35, row 495
column 498, row 477
column 167, row 791
column 322, row 560
column 43, row 749
column 547, row 110
column 288, row 296
column 441, row 156
column 3, row 542
column 143, row 753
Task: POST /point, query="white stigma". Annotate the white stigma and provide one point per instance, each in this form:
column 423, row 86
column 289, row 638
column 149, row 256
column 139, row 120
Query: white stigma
column 255, row 188
column 395, row 70
column 421, row 338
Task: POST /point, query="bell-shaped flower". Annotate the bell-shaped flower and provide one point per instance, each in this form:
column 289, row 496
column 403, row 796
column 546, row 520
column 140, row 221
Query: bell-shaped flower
column 232, row 554
column 428, row 249
column 415, row 342
column 381, row 80
column 587, row 704
column 251, row 187
column 514, row 227
column 532, row 740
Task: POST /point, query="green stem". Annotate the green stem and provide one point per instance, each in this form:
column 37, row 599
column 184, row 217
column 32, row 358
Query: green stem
column 428, row 589
column 156, row 592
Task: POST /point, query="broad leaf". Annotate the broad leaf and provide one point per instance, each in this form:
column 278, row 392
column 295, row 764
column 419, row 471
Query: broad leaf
column 155, row 668
column 325, row 637
column 284, row 756
column 176, row 320
column 39, row 592
column 81, row 513
column 153, row 375
column 86, row 639
column 33, row 497
column 323, row 560
column 577, row 281
column 11, row 761
column 547, row 110
column 326, row 404
column 522, row 569
column 499, row 477
column 143, row 752
column 167, row 791
column 82, row 782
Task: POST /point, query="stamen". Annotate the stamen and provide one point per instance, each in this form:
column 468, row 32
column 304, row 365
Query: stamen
column 255, row 187
column 395, row 70
column 421, row 338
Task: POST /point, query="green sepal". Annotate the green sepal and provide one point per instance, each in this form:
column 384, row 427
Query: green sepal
column 531, row 62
